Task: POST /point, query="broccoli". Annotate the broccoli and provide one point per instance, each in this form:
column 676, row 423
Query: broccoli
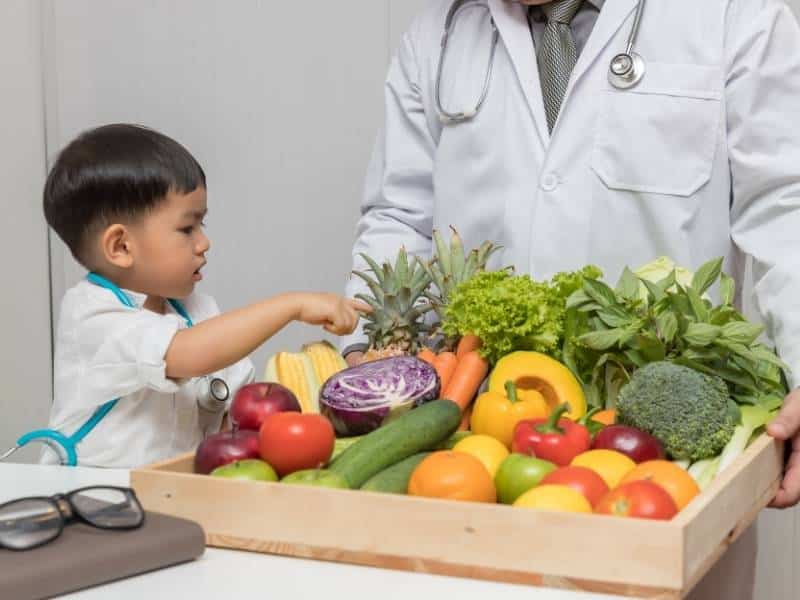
column 690, row 412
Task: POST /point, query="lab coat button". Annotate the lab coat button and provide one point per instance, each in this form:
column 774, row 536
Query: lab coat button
column 549, row 182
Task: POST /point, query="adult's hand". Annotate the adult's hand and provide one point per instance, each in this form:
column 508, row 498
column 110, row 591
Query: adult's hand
column 786, row 427
column 354, row 358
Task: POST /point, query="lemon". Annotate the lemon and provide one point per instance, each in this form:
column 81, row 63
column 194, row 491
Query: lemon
column 490, row 451
column 554, row 497
column 612, row 466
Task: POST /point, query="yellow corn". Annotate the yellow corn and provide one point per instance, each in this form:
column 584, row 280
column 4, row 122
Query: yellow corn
column 325, row 359
column 295, row 371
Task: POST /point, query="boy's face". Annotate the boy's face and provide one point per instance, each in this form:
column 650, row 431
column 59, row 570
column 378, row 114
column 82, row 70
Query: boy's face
column 170, row 246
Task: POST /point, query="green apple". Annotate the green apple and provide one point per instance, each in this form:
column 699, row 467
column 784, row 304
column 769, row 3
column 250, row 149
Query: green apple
column 250, row 468
column 318, row 477
column 517, row 474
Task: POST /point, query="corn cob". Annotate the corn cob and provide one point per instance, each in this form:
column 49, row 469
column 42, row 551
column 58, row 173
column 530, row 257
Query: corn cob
column 325, row 360
column 295, row 371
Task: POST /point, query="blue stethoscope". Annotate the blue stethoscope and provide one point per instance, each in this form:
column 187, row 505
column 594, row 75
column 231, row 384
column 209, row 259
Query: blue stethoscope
column 213, row 400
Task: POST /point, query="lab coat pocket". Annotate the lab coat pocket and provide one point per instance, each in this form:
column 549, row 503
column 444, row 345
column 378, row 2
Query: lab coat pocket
column 660, row 136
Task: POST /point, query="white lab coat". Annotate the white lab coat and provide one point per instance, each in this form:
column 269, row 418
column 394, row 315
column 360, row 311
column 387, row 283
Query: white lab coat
column 106, row 350
column 626, row 176
column 701, row 159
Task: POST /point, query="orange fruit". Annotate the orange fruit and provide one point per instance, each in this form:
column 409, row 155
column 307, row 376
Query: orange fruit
column 677, row 482
column 452, row 476
column 611, row 465
column 606, row 417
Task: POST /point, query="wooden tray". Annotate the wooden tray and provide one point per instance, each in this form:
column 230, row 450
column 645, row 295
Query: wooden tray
column 628, row 557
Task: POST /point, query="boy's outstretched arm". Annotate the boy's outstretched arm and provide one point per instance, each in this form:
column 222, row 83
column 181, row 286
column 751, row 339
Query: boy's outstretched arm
column 223, row 340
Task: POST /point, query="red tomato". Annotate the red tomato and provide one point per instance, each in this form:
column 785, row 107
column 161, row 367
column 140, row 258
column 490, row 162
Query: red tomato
column 582, row 480
column 643, row 499
column 291, row 441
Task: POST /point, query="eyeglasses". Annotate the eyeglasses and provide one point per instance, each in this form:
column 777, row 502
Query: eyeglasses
column 31, row 522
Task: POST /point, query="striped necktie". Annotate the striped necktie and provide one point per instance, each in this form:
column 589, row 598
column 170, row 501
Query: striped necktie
column 557, row 55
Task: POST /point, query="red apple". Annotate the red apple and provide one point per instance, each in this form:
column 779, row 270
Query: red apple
column 255, row 401
column 225, row 447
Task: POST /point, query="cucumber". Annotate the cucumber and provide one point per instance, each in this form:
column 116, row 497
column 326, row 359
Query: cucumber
column 417, row 430
column 342, row 444
column 394, row 479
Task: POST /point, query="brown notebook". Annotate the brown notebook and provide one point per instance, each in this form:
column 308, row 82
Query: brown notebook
column 84, row 556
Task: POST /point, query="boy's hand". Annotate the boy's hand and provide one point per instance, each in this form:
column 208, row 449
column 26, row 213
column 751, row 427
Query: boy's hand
column 337, row 315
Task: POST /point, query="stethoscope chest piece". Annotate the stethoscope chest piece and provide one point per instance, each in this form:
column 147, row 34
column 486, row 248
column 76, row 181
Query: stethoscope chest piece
column 626, row 70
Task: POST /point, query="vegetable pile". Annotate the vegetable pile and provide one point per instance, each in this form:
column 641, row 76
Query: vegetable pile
column 567, row 394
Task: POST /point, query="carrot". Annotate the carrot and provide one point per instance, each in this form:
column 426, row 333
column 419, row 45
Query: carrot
column 426, row 354
column 467, row 343
column 445, row 365
column 466, row 418
column 467, row 378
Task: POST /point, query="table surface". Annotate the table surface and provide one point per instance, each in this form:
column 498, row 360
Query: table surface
column 230, row 573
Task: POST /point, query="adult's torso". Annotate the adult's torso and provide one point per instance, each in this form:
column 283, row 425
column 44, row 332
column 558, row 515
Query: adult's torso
column 625, row 176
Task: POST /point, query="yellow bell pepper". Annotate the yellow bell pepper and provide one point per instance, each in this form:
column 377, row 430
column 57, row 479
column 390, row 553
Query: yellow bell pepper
column 497, row 414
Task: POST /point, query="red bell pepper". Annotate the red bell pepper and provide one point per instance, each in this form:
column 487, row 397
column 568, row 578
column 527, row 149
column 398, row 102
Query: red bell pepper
column 555, row 439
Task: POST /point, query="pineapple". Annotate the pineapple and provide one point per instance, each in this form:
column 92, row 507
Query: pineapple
column 395, row 324
column 448, row 269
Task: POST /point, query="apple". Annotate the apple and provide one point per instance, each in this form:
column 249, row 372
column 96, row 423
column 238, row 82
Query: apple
column 225, row 447
column 517, row 474
column 253, row 469
column 318, row 477
column 255, row 401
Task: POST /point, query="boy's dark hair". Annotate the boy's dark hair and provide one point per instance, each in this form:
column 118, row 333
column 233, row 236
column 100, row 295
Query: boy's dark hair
column 112, row 173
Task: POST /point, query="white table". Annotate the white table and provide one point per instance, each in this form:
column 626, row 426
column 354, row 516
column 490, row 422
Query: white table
column 233, row 574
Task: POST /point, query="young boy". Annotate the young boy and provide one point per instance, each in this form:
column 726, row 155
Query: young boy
column 129, row 203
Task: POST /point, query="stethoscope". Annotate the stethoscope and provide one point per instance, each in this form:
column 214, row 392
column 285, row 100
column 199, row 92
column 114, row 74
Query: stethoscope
column 212, row 397
column 625, row 71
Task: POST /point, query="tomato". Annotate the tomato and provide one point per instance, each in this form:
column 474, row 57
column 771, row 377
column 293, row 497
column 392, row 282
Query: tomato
column 485, row 448
column 291, row 441
column 611, row 465
column 581, row 479
column 641, row 499
column 554, row 497
column 677, row 482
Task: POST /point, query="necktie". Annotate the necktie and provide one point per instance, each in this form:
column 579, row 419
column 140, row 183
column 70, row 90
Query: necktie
column 557, row 55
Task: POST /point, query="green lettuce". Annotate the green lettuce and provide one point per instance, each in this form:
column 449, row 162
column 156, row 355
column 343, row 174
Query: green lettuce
column 514, row 312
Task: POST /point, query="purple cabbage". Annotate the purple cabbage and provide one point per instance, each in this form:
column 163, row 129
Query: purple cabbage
column 362, row 398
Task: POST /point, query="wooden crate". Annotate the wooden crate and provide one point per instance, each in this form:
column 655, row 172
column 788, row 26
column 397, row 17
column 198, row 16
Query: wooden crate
column 629, row 557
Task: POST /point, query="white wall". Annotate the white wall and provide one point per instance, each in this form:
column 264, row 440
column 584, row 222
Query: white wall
column 25, row 297
column 279, row 101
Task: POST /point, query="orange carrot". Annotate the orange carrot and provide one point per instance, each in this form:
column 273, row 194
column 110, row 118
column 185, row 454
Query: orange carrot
column 466, row 418
column 426, row 354
column 467, row 378
column 445, row 365
column 467, row 343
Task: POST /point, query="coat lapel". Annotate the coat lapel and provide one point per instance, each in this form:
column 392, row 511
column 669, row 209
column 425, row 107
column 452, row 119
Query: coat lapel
column 613, row 14
column 511, row 19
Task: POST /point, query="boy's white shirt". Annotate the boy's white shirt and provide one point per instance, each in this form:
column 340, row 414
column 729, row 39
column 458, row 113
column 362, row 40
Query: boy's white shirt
column 106, row 350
